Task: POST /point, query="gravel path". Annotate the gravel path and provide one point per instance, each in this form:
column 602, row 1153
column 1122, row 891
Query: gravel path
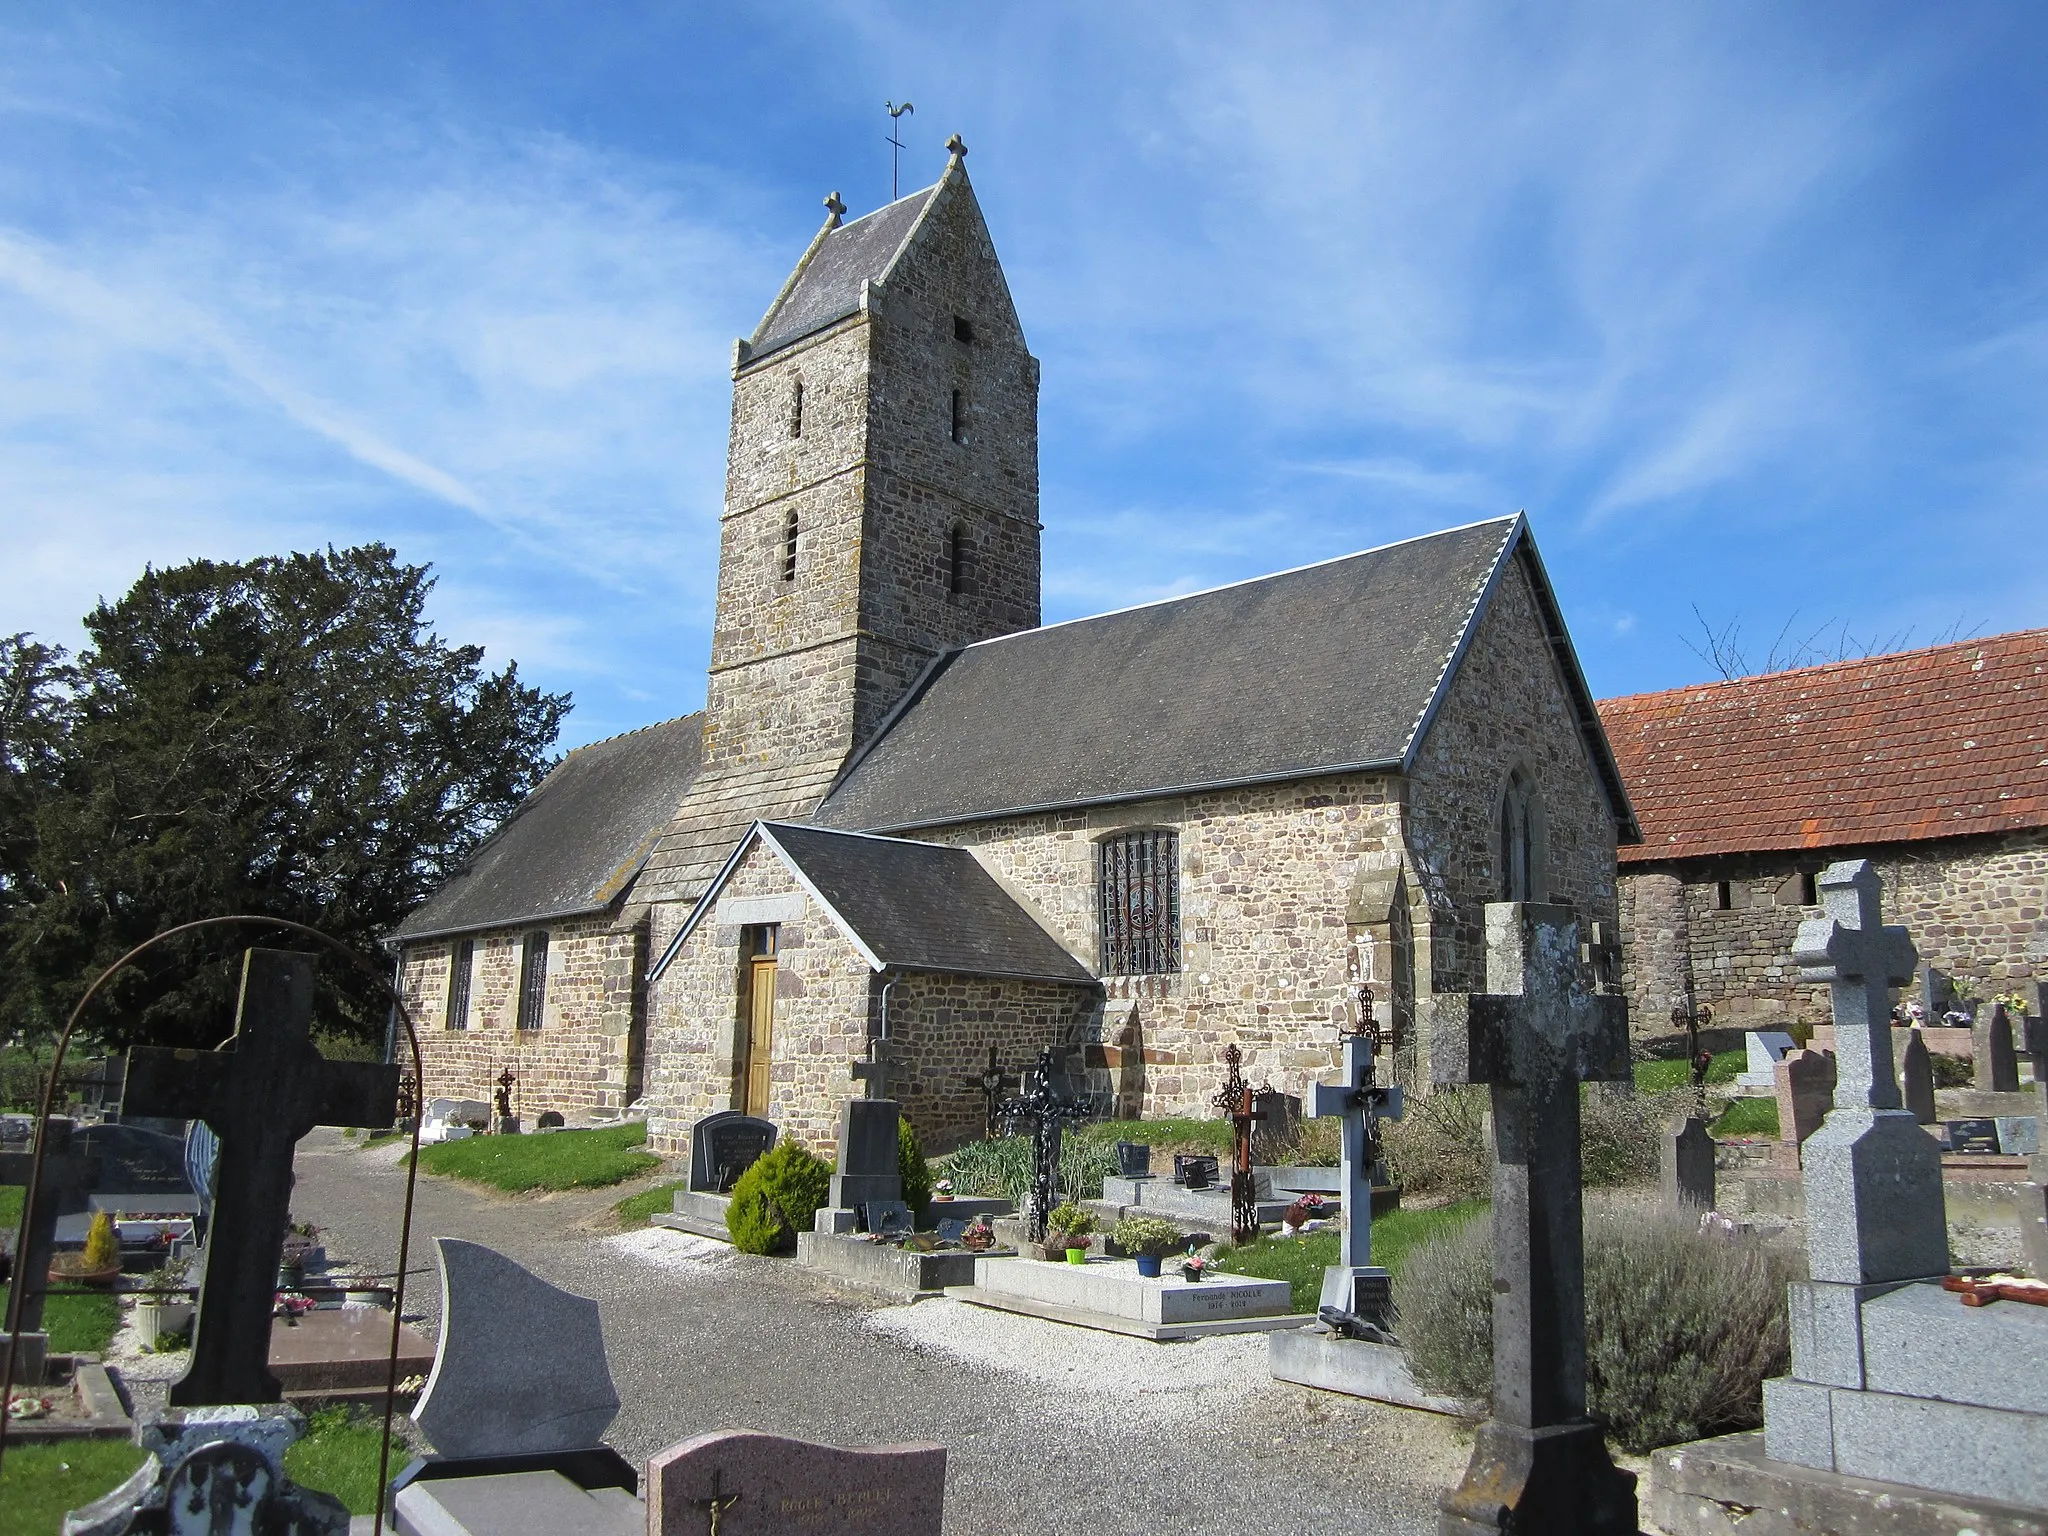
column 1046, row 1425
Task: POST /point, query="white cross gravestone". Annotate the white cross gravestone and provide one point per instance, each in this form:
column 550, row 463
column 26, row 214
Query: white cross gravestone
column 1355, row 1284
column 1539, row 1464
column 1872, row 1176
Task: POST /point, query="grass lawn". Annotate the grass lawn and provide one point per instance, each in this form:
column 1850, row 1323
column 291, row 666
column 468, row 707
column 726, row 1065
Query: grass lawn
column 1663, row 1076
column 558, row 1160
column 82, row 1323
column 634, row 1210
column 1300, row 1261
column 41, row 1481
column 1747, row 1117
column 10, row 1207
column 1203, row 1135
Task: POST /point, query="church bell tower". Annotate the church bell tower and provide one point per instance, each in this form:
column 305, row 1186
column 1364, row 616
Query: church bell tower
column 881, row 496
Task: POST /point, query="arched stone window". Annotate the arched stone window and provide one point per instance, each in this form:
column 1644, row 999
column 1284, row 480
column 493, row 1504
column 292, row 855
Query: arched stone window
column 1519, row 865
column 1138, row 901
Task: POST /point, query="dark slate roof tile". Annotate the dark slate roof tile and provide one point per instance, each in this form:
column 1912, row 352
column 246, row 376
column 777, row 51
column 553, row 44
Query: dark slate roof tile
column 1329, row 667
column 828, row 286
column 576, row 842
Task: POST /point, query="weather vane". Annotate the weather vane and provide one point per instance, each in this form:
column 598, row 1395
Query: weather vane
column 895, row 143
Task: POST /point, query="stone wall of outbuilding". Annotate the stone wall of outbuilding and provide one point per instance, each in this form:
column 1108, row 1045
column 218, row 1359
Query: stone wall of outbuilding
column 1976, row 908
column 577, row 1062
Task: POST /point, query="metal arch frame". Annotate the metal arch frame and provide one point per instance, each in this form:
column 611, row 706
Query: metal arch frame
column 35, row 1180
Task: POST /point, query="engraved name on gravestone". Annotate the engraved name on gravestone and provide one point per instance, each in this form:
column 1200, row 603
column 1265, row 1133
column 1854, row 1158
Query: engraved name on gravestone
column 740, row 1482
column 725, row 1145
column 261, row 1092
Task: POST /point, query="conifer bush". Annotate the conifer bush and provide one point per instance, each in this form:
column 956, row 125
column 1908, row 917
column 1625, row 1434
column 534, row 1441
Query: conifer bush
column 1682, row 1327
column 913, row 1170
column 777, row 1197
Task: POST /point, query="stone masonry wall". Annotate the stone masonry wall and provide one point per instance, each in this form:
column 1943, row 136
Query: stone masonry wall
column 576, row 1062
column 942, row 1027
column 1976, row 908
column 1507, row 707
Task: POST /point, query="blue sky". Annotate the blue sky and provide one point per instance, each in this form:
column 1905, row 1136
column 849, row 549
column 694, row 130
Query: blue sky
column 1746, row 305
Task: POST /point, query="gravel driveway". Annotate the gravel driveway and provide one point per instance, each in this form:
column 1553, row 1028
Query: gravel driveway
column 1046, row 1425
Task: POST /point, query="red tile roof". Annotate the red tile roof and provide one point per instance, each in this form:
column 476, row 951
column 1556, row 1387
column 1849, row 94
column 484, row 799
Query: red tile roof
column 1931, row 743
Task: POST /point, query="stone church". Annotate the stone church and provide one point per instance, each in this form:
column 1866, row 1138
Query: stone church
column 909, row 812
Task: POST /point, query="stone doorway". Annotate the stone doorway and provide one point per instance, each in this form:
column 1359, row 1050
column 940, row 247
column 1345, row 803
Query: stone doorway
column 759, row 1041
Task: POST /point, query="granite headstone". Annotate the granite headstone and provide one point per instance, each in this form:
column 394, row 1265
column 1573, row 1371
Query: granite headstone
column 1998, row 1065
column 1916, row 1077
column 1806, row 1087
column 740, row 1482
column 1687, row 1163
column 725, row 1145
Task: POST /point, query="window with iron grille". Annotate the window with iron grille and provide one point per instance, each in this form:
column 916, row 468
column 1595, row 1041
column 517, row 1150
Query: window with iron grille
column 459, row 967
column 533, row 980
column 1139, row 899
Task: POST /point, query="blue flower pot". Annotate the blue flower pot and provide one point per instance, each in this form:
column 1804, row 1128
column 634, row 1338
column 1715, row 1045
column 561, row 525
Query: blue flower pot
column 1148, row 1265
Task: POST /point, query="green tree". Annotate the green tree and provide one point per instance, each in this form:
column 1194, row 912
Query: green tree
column 283, row 736
column 34, row 720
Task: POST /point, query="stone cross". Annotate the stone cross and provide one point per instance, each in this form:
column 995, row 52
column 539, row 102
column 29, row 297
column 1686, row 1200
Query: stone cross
column 989, row 1083
column 1539, row 1465
column 65, row 1174
column 1872, row 1176
column 261, row 1092
column 873, row 1073
column 1355, row 1284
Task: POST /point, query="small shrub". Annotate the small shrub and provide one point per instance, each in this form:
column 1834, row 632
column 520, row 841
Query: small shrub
column 1000, row 1167
column 1682, row 1329
column 913, row 1170
column 1148, row 1235
column 102, row 1247
column 1619, row 1133
column 1317, row 1143
column 1071, row 1220
column 1084, row 1163
column 1951, row 1071
column 1440, row 1149
column 777, row 1197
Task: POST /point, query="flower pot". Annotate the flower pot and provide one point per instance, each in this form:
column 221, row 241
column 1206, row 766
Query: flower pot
column 1190, row 1272
column 1148, row 1265
column 1077, row 1255
column 156, row 1320
column 77, row 1276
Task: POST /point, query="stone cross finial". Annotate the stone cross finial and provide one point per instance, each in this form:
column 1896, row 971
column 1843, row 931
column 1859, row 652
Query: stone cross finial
column 835, row 208
column 956, row 147
column 873, row 1074
column 1861, row 960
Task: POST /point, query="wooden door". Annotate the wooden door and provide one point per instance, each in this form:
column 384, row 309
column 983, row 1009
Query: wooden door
column 760, row 1032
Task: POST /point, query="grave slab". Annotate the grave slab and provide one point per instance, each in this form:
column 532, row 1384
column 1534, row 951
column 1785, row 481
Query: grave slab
column 343, row 1349
column 1111, row 1295
column 1984, row 1453
column 516, row 1504
column 1921, row 1341
column 740, row 1482
column 1765, row 1047
column 1310, row 1357
column 696, row 1211
column 1728, row 1487
column 900, row 1272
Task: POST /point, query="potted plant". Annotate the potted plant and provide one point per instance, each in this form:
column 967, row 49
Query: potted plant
column 1066, row 1233
column 1148, row 1239
column 97, row 1263
column 1194, row 1266
column 165, row 1311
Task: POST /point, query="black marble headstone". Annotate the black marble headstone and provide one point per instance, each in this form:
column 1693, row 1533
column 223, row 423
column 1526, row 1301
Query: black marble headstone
column 888, row 1218
column 1976, row 1136
column 724, row 1146
column 1196, row 1170
column 1133, row 1160
column 952, row 1229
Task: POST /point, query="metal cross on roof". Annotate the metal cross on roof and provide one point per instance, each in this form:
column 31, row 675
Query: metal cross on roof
column 895, row 142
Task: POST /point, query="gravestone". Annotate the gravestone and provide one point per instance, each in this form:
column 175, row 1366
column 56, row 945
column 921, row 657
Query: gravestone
column 261, row 1092
column 1539, row 1465
column 888, row 1218
column 214, row 1470
column 1916, row 1078
column 1686, row 1163
column 1196, row 1170
column 1937, row 992
column 1133, row 1160
column 867, row 1154
column 1806, row 1087
column 873, row 1072
column 1766, row 1047
column 740, row 1482
column 1978, row 1137
column 1998, row 1065
column 1355, row 1284
column 725, row 1145
column 1278, row 1127
column 67, row 1177
column 520, row 1369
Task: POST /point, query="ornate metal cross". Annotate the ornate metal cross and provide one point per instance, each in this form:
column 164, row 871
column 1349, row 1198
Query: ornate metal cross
column 1041, row 1105
column 989, row 1081
column 895, row 141
column 719, row 1502
column 1237, row 1100
column 261, row 1092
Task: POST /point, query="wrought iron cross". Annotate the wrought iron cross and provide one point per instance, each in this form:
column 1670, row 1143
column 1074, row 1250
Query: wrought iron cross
column 1237, row 1100
column 261, row 1092
column 896, row 114
column 1047, row 1112
column 990, row 1083
column 1355, row 1285
column 507, row 1081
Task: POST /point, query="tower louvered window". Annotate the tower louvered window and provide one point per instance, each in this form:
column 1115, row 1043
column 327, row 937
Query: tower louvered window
column 789, row 534
column 956, row 560
column 796, row 409
column 1138, row 894
column 533, row 980
column 459, row 967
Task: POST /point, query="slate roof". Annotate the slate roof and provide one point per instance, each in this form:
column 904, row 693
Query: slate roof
column 576, row 842
column 1929, row 743
column 1333, row 667
column 826, row 285
column 917, row 906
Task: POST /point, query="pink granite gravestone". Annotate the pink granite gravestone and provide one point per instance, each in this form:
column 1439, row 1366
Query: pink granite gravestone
column 740, row 1482
column 1806, row 1089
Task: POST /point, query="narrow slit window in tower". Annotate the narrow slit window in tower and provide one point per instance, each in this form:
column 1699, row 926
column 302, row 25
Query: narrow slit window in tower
column 789, row 533
column 796, row 409
column 963, row 328
column 956, row 559
column 959, row 416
